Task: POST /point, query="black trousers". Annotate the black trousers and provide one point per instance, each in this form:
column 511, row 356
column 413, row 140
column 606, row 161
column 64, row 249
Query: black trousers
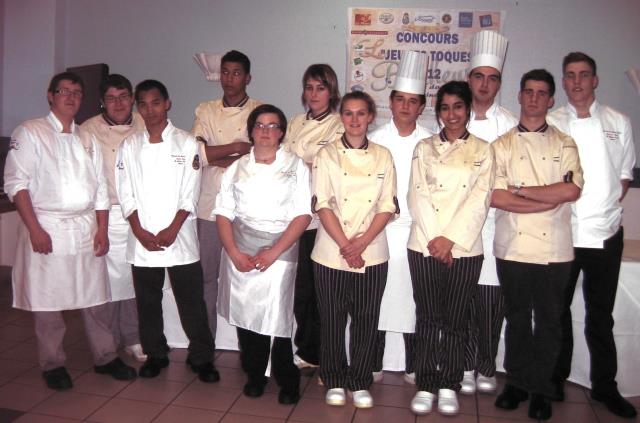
column 305, row 304
column 600, row 270
column 342, row 294
column 442, row 295
column 186, row 282
column 254, row 357
column 532, row 290
column 486, row 315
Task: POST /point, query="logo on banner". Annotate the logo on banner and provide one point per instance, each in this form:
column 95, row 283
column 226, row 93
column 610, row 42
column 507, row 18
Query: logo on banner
column 486, row 21
column 386, row 18
column 362, row 19
column 465, row 20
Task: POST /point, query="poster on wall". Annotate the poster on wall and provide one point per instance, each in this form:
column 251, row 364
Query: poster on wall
column 377, row 38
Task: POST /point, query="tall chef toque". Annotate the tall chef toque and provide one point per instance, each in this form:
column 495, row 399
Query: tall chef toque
column 488, row 48
column 412, row 74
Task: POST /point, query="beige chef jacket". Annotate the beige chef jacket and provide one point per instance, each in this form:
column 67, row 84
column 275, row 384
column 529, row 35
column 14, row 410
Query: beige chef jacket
column 449, row 193
column 158, row 180
column 535, row 159
column 305, row 135
column 356, row 184
column 109, row 138
column 218, row 125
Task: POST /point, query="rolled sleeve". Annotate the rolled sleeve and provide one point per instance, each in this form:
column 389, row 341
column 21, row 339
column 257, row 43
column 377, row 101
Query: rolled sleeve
column 501, row 177
column 387, row 201
column 190, row 187
column 102, row 194
column 571, row 161
column 629, row 152
column 21, row 162
column 321, row 178
column 124, row 188
column 302, row 198
column 225, row 201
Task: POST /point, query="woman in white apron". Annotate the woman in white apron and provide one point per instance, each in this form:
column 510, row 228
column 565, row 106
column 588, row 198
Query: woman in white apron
column 261, row 210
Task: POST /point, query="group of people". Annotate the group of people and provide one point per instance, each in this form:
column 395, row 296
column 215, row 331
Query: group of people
column 264, row 221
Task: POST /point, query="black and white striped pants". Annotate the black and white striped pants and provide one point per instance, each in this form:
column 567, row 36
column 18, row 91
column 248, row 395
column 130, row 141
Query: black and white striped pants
column 442, row 295
column 486, row 315
column 340, row 294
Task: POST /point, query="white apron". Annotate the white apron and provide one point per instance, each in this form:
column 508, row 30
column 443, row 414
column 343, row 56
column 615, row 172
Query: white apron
column 120, row 278
column 70, row 277
column 398, row 310
column 258, row 301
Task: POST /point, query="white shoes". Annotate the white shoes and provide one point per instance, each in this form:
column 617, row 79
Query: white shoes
column 468, row 383
column 422, row 402
column 448, row 402
column 410, row 378
column 378, row 376
column 301, row 364
column 362, row 399
column 136, row 352
column 335, row 396
column 485, row 384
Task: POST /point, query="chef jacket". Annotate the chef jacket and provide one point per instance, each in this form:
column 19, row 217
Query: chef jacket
column 607, row 155
column 305, row 135
column 63, row 174
column 356, row 184
column 535, row 159
column 158, row 180
column 109, row 138
column 498, row 121
column 449, row 193
column 218, row 125
column 266, row 197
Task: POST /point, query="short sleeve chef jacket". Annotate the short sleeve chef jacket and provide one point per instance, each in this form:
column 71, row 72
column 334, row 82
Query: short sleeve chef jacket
column 158, row 180
column 356, row 184
column 535, row 159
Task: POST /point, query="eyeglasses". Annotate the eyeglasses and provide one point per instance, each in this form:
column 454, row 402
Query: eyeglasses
column 66, row 92
column 121, row 98
column 268, row 127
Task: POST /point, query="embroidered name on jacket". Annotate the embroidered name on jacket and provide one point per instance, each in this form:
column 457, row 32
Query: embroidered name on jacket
column 179, row 159
column 611, row 135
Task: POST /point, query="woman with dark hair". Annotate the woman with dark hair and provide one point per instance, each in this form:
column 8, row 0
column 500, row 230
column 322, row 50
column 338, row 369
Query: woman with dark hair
column 306, row 134
column 354, row 186
column 449, row 194
column 261, row 210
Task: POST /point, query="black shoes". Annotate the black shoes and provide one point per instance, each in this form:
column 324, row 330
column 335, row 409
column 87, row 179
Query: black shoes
column 615, row 403
column 254, row 388
column 206, row 371
column 558, row 390
column 152, row 367
column 117, row 369
column 289, row 396
column 57, row 379
column 511, row 397
column 539, row 407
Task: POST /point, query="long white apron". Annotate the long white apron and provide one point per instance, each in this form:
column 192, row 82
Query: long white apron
column 258, row 301
column 120, row 278
column 398, row 310
column 70, row 277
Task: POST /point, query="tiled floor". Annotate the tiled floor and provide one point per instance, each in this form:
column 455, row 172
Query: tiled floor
column 178, row 396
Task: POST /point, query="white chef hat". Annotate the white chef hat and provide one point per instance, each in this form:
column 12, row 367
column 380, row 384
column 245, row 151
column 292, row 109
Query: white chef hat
column 412, row 73
column 488, row 48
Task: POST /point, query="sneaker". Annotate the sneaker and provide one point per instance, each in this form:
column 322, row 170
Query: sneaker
column 300, row 363
column 486, row 384
column 136, row 352
column 410, row 378
column 378, row 376
column 448, row 402
column 335, row 396
column 362, row 399
column 422, row 402
column 468, row 383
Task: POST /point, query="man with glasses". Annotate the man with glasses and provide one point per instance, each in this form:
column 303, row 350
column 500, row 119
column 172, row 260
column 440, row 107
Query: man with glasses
column 605, row 143
column 54, row 175
column 116, row 122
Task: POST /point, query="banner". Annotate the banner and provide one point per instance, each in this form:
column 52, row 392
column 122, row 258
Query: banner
column 378, row 37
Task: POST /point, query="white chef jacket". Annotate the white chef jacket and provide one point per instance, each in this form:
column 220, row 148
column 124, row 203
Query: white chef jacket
column 607, row 155
column 109, row 138
column 398, row 292
column 63, row 174
column 449, row 193
column 158, row 180
column 498, row 121
column 265, row 197
column 218, row 125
